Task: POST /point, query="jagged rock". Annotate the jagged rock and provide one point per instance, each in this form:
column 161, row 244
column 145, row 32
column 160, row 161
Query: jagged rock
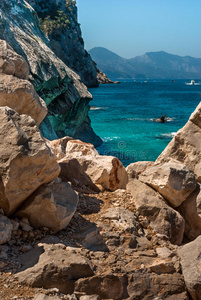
column 58, row 147
column 82, row 163
column 188, row 210
column 162, row 267
column 162, row 218
column 20, row 95
column 52, row 205
column 67, row 42
column 60, row 87
column 149, row 285
column 190, row 255
column 26, row 161
column 11, row 63
column 77, row 148
column 107, row 287
column 122, row 218
column 53, row 266
column 185, row 147
column 173, row 180
column 164, row 252
column 135, row 169
column 6, row 228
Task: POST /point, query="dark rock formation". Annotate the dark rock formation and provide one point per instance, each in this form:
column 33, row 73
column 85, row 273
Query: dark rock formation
column 66, row 96
column 59, row 21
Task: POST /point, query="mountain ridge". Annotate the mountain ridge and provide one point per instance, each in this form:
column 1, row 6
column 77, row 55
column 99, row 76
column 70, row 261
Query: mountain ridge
column 153, row 65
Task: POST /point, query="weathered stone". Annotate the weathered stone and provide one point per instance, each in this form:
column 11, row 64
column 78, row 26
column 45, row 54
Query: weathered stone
column 188, row 210
column 6, row 228
column 91, row 297
column 84, row 164
column 164, row 252
column 122, row 218
column 190, row 255
column 46, row 297
column 54, row 267
column 52, row 205
column 173, row 180
column 26, row 161
column 58, row 147
column 21, row 96
column 162, row 218
column 185, row 147
column 11, row 63
column 107, row 287
column 162, row 267
column 149, row 286
column 135, row 169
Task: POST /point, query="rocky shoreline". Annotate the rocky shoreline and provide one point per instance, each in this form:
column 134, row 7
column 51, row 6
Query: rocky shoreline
column 75, row 224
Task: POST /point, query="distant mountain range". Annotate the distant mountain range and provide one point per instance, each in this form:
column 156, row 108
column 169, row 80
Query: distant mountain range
column 151, row 65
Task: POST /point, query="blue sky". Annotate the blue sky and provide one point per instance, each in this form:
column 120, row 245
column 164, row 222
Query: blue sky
column 133, row 27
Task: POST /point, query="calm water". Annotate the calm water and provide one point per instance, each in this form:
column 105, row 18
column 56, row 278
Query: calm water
column 122, row 116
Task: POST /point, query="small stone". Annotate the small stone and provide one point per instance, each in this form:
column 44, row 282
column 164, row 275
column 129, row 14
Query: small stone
column 25, row 248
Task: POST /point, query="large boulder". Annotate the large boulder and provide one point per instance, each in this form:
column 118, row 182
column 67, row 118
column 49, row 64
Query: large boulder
column 54, row 266
column 82, row 163
column 162, row 218
column 26, row 162
column 6, row 228
column 135, row 169
column 188, row 210
column 11, row 63
column 21, row 96
column 52, row 205
column 173, row 180
column 190, row 255
column 185, row 147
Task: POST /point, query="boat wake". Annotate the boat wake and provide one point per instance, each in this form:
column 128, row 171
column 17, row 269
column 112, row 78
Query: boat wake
column 98, row 108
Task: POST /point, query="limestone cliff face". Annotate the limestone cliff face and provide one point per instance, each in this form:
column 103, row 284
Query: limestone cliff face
column 66, row 96
column 59, row 22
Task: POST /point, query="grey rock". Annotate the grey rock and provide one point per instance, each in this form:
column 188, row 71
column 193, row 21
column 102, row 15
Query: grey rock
column 190, row 255
column 6, row 228
column 135, row 169
column 164, row 219
column 55, row 267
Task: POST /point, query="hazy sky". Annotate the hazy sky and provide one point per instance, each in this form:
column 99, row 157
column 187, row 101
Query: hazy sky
column 133, row 27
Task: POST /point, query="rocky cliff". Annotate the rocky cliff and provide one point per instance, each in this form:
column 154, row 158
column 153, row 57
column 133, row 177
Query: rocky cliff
column 58, row 20
column 66, row 96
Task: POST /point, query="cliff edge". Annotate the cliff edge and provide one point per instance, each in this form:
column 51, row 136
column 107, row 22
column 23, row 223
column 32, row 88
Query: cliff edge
column 60, row 87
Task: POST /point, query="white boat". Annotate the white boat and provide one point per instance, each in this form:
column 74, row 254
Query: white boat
column 192, row 83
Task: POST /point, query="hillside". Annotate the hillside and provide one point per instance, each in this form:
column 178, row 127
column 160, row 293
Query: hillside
column 153, row 65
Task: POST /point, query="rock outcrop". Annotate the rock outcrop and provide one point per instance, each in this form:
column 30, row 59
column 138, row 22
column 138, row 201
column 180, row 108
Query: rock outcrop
column 66, row 39
column 66, row 96
column 185, row 147
column 26, row 162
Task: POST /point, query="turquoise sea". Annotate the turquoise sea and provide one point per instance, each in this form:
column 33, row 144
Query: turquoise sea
column 122, row 115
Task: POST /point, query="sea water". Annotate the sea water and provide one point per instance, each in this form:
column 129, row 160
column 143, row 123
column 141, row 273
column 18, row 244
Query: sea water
column 122, row 115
